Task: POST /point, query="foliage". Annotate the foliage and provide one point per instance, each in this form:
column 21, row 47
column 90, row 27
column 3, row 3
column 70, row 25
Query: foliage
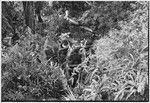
column 99, row 16
column 66, row 62
column 12, row 22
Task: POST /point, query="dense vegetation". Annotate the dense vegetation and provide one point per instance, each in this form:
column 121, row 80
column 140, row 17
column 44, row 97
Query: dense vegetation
column 74, row 51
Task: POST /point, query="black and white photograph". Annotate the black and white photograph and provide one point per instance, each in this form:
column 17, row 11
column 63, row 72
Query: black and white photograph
column 75, row 51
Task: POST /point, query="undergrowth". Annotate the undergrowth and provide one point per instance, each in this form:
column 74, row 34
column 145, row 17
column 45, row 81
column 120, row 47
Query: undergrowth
column 115, row 68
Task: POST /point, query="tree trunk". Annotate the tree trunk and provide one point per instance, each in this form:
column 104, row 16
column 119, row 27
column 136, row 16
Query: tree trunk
column 29, row 13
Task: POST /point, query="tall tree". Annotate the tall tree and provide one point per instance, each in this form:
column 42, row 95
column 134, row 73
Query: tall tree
column 38, row 8
column 29, row 14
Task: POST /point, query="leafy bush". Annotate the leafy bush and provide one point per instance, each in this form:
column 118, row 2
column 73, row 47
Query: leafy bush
column 66, row 62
